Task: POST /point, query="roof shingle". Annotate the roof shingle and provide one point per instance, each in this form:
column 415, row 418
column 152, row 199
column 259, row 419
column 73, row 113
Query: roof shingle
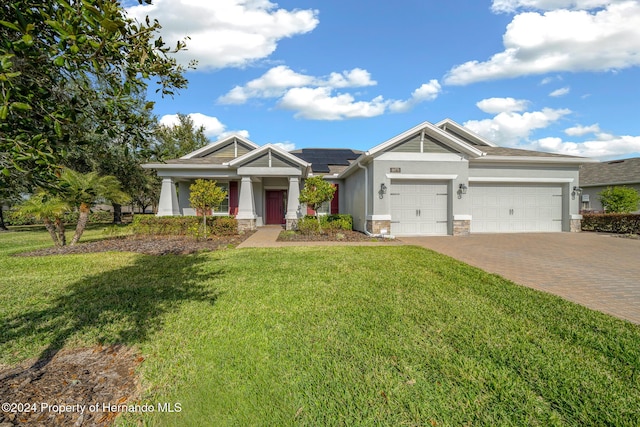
column 626, row 171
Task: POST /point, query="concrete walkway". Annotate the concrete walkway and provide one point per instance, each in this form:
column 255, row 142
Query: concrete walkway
column 599, row 271
column 265, row 237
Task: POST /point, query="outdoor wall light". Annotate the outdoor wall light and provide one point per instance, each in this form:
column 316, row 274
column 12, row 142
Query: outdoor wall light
column 462, row 189
column 383, row 189
column 576, row 190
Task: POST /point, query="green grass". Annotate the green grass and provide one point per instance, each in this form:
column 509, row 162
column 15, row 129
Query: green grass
column 327, row 336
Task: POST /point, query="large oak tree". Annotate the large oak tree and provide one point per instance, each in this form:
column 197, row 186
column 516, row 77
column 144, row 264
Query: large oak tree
column 66, row 63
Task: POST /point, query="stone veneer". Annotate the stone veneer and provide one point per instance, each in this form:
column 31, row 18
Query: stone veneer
column 292, row 224
column 375, row 226
column 576, row 225
column 461, row 227
column 246, row 224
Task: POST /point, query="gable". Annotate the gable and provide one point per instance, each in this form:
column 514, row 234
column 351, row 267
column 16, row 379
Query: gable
column 229, row 151
column 270, row 160
column 420, row 144
column 461, row 137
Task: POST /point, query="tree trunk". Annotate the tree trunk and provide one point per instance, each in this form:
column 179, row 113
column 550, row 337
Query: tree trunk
column 52, row 231
column 83, row 219
column 60, row 231
column 3, row 227
column 204, row 223
column 117, row 213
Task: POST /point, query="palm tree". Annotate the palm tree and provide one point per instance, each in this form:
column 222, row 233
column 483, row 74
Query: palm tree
column 49, row 209
column 83, row 190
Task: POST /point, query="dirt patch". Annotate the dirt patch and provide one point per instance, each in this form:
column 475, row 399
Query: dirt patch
column 329, row 236
column 77, row 387
column 151, row 245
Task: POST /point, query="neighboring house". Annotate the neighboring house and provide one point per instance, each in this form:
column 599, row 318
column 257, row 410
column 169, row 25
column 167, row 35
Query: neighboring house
column 595, row 177
column 430, row 180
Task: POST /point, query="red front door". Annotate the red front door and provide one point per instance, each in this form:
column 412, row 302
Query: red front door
column 275, row 206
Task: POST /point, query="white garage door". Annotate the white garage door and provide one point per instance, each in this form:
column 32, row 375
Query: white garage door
column 419, row 208
column 513, row 208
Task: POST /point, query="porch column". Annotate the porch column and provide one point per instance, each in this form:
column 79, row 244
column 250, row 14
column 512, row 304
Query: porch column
column 246, row 207
column 293, row 203
column 168, row 204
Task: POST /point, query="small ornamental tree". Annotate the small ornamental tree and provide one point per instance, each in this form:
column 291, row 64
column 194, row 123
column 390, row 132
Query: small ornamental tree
column 316, row 191
column 619, row 199
column 205, row 195
column 50, row 209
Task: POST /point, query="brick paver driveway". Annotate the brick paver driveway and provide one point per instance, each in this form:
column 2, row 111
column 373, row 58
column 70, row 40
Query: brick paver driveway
column 599, row 271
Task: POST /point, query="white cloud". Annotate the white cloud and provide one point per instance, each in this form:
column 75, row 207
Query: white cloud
column 213, row 128
column 502, row 105
column 320, row 104
column 560, row 92
column 511, row 128
column 242, row 133
column 275, row 83
column 510, row 6
column 582, row 130
column 286, row 145
column 315, row 98
column 604, row 146
column 561, row 40
column 225, row 33
column 426, row 92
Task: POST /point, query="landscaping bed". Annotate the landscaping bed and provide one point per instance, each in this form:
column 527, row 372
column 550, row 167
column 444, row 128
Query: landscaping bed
column 92, row 380
column 150, row 245
column 329, row 236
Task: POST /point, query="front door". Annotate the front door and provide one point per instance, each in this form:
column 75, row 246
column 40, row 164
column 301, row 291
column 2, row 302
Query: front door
column 275, row 206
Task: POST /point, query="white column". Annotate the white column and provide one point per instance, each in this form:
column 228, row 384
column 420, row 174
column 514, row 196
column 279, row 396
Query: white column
column 168, row 205
column 293, row 198
column 246, row 205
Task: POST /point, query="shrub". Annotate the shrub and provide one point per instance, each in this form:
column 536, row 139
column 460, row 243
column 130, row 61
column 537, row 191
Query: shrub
column 612, row 223
column 224, row 225
column 15, row 217
column 183, row 225
column 339, row 222
column 619, row 199
column 308, row 225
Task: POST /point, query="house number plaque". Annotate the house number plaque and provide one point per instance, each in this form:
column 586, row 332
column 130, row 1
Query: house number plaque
column 394, row 170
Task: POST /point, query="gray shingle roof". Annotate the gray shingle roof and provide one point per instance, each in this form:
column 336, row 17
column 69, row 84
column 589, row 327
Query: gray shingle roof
column 200, row 161
column 626, row 171
column 503, row 151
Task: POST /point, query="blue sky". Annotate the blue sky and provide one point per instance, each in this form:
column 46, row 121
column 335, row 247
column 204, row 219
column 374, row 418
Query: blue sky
column 552, row 75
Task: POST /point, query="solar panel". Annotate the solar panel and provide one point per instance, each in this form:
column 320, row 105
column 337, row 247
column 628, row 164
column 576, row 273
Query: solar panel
column 321, row 158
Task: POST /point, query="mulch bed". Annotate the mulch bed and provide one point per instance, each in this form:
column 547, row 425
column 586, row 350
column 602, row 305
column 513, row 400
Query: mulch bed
column 79, row 387
column 329, row 236
column 150, row 245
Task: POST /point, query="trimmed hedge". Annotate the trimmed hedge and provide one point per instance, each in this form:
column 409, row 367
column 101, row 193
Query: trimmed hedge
column 183, row 225
column 612, row 223
column 14, row 217
column 309, row 224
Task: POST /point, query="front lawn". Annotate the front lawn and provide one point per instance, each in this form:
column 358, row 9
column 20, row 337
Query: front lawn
column 326, row 336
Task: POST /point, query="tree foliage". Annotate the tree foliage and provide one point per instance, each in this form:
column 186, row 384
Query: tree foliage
column 206, row 195
column 50, row 209
column 65, row 63
column 619, row 199
column 173, row 142
column 83, row 190
column 315, row 192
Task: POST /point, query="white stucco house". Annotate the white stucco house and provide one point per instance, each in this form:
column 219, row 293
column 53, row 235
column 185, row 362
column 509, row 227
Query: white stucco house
column 433, row 179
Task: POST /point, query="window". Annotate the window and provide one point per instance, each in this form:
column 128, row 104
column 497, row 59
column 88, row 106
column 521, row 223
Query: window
column 224, row 206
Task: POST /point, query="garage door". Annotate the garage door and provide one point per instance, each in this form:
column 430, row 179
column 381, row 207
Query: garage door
column 419, row 208
column 513, row 208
